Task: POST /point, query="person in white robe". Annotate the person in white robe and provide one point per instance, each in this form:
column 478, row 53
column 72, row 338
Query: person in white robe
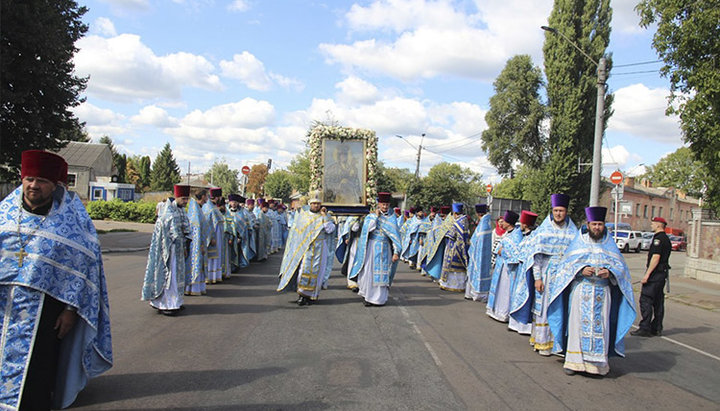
column 306, row 253
column 591, row 300
column 378, row 251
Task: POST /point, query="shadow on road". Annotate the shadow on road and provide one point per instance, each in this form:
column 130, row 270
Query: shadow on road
column 117, row 387
column 640, row 362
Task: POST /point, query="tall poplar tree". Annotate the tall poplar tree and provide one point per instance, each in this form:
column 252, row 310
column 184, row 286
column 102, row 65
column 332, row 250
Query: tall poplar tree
column 572, row 94
column 516, row 113
column 38, row 87
column 165, row 171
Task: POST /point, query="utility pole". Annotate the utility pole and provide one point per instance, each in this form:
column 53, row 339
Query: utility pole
column 417, row 165
column 599, row 128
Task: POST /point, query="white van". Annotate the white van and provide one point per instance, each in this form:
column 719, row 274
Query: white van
column 627, row 240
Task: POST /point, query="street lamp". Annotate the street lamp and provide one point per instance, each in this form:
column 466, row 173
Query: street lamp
column 599, row 118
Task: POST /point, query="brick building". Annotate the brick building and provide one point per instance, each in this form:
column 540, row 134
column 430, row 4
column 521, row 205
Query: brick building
column 647, row 202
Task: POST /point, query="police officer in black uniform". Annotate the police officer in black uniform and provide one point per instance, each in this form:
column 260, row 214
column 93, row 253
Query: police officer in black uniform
column 652, row 297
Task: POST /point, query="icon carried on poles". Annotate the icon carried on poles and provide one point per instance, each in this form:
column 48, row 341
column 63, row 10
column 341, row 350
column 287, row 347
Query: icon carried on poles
column 245, row 170
column 616, row 177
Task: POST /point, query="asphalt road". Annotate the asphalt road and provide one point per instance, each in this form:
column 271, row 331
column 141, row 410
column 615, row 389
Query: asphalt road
column 245, row 346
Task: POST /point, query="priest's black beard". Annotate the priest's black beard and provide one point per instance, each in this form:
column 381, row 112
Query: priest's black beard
column 233, row 209
column 596, row 237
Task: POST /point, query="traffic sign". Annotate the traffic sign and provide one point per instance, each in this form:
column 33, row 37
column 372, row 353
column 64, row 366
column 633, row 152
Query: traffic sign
column 616, row 177
column 488, row 188
column 246, row 170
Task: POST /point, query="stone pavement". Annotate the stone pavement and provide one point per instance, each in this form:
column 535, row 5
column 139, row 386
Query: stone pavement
column 683, row 290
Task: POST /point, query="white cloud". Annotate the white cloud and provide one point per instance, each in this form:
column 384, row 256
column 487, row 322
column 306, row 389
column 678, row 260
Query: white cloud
column 154, row 116
column 437, row 38
column 624, row 17
column 239, row 6
column 246, row 113
column 640, row 111
column 356, row 90
column 618, row 157
column 94, row 116
column 104, row 27
column 128, row 5
column 123, row 68
column 251, row 72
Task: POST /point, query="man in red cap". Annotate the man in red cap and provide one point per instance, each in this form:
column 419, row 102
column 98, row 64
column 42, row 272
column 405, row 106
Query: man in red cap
column 164, row 282
column 652, row 297
column 55, row 335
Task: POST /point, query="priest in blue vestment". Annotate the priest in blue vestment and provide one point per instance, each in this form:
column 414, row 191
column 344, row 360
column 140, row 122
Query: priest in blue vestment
column 215, row 249
column 411, row 240
column 435, row 241
column 377, row 254
column 240, row 251
column 507, row 260
column 165, row 273
column 55, row 317
column 478, row 271
column 530, row 300
column 346, row 248
column 253, row 226
column 518, row 280
column 455, row 258
column 200, row 239
column 591, row 300
column 263, row 230
column 306, row 254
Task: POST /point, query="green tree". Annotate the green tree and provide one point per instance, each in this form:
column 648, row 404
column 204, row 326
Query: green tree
column 144, row 168
column 38, row 84
column 278, row 185
column 256, row 179
column 445, row 183
column 165, row 171
column 688, row 42
column 132, row 173
column 679, row 169
column 398, row 179
column 516, row 112
column 223, row 177
column 119, row 160
column 572, row 94
column 299, row 170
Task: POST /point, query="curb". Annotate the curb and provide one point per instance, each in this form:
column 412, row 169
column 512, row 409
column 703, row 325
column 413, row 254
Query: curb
column 123, row 250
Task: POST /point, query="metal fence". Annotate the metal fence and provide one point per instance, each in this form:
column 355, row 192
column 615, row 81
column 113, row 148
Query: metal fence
column 499, row 206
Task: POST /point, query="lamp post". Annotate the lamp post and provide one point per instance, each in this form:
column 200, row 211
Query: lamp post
column 599, row 118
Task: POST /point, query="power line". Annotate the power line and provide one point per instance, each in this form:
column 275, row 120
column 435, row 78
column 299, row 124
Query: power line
column 474, row 136
column 637, row 64
column 636, row 72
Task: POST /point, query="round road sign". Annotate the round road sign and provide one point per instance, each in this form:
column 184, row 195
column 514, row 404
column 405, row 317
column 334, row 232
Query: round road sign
column 246, row 170
column 488, row 188
column 616, row 177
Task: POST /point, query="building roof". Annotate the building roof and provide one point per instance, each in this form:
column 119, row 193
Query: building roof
column 79, row 154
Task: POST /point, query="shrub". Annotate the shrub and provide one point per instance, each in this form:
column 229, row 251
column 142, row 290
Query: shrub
column 118, row 210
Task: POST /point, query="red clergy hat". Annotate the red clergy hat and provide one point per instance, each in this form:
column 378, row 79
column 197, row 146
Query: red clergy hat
column 181, row 191
column 527, row 217
column 43, row 164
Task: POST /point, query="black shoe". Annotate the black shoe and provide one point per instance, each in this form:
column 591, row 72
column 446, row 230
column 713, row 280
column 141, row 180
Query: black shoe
column 356, row 289
column 640, row 332
column 369, row 304
column 169, row 313
column 657, row 333
column 568, row 371
column 303, row 301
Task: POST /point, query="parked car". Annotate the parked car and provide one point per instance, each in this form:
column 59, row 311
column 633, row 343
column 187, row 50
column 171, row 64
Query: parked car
column 678, row 243
column 628, row 240
column 646, row 240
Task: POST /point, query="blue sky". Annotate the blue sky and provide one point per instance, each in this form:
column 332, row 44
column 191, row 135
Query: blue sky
column 242, row 80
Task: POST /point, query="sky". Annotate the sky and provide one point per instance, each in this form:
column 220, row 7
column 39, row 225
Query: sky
column 241, row 81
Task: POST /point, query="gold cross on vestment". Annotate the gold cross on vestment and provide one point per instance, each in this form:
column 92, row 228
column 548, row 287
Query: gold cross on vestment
column 21, row 255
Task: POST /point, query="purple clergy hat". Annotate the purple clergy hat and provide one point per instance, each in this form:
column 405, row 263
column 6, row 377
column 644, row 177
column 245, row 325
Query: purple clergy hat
column 511, row 217
column 595, row 213
column 560, row 200
column 457, row 208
